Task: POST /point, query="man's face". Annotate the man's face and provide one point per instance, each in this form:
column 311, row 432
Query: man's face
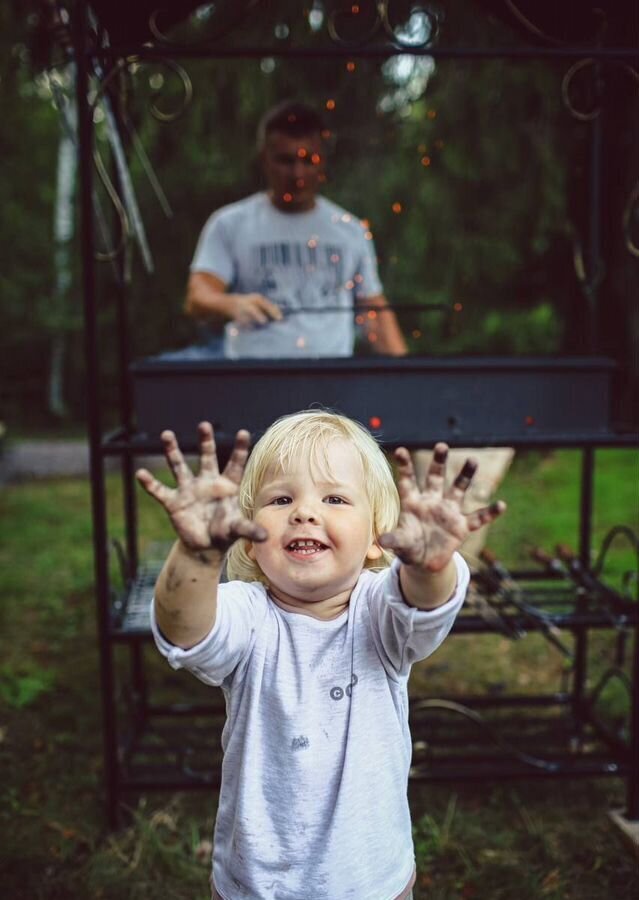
column 294, row 169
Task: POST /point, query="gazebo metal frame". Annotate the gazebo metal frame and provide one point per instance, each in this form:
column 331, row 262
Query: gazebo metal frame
column 595, row 605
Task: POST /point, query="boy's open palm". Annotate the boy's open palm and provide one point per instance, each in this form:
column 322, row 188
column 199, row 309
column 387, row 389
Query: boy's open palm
column 204, row 508
column 431, row 523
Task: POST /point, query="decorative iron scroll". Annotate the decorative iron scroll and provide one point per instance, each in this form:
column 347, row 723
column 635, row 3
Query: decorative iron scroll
column 220, row 20
column 126, row 206
column 480, row 722
column 597, row 14
column 631, row 208
column 352, row 24
column 419, row 31
column 631, row 212
column 131, row 63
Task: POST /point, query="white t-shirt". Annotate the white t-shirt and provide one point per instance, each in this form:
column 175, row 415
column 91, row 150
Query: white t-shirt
column 317, row 749
column 304, row 262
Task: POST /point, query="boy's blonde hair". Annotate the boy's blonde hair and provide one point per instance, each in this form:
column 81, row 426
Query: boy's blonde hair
column 307, row 434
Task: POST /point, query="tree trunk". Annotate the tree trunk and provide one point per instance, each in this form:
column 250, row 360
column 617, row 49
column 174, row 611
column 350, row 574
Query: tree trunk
column 63, row 229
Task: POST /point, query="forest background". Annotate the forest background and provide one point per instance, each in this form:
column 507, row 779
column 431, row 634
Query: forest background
column 475, row 177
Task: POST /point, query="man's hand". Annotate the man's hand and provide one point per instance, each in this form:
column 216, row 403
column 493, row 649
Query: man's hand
column 431, row 522
column 204, row 508
column 251, row 309
column 207, row 299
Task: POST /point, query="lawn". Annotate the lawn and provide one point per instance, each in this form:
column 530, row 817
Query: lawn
column 536, row 839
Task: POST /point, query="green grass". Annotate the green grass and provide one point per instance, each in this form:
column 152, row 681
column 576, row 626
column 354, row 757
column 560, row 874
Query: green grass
column 542, row 839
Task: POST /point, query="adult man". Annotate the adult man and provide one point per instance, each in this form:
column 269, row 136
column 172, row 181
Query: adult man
column 285, row 268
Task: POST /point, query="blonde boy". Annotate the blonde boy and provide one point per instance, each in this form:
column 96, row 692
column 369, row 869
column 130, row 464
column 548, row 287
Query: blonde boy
column 312, row 646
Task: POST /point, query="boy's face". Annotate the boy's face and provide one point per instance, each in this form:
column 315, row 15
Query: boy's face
column 293, row 167
column 320, row 531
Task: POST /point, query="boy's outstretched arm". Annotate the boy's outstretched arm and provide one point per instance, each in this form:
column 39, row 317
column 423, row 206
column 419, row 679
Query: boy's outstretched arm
column 431, row 527
column 205, row 514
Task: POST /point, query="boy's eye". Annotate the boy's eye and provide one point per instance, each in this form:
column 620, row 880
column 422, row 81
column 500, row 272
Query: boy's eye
column 280, row 501
column 334, row 499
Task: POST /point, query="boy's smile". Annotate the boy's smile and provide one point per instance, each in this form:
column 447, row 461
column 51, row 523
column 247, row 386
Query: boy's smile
column 320, row 531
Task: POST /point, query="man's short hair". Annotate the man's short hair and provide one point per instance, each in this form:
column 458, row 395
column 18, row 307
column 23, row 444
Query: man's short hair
column 290, row 118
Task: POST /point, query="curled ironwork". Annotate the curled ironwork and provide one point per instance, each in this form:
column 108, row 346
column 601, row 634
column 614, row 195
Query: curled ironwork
column 614, row 673
column 114, row 252
column 129, row 63
column 599, row 19
column 618, row 531
column 566, row 84
column 219, row 24
column 478, row 720
column 126, row 208
column 631, row 211
column 380, row 20
column 575, row 69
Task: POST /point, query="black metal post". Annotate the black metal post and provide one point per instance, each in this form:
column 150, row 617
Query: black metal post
column 581, row 633
column 98, row 494
column 579, row 677
column 632, row 807
column 586, row 505
column 127, row 459
column 593, row 274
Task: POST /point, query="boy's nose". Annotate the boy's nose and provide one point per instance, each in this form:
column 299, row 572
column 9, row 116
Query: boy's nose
column 304, row 513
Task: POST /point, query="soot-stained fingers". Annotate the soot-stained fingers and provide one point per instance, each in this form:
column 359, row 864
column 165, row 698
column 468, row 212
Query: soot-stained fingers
column 175, row 459
column 245, row 528
column 485, row 515
column 208, row 450
column 234, row 468
column 155, row 488
column 436, row 474
column 406, row 479
column 461, row 483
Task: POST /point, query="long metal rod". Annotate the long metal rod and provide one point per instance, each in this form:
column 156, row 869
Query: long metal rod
column 358, row 51
column 632, row 802
column 127, row 460
column 126, row 400
column 586, row 500
column 579, row 681
column 98, row 494
column 593, row 275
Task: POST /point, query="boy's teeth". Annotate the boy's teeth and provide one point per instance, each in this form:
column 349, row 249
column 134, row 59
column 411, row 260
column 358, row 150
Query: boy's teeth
column 307, row 546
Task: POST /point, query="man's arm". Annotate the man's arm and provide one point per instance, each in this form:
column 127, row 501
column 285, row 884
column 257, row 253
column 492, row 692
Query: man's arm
column 432, row 527
column 207, row 298
column 381, row 326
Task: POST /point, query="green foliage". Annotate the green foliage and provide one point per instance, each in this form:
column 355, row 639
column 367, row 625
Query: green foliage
column 154, row 850
column 431, row 839
column 555, row 478
column 532, row 331
column 20, row 689
column 518, row 842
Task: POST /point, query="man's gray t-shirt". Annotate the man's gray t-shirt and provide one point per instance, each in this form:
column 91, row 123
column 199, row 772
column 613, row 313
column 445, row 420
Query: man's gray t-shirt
column 317, row 749
column 311, row 264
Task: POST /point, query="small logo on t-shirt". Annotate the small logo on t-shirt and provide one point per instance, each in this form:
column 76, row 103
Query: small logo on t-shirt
column 337, row 692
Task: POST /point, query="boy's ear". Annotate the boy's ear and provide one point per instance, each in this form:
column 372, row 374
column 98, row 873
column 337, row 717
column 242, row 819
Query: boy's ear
column 374, row 551
column 250, row 550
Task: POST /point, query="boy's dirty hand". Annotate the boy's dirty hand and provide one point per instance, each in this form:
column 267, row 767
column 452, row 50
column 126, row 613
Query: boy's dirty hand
column 431, row 522
column 204, row 508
